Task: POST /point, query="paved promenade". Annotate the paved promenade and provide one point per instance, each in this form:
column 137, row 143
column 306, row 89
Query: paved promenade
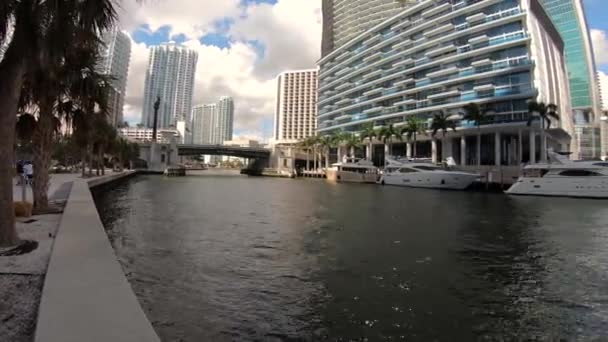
column 86, row 295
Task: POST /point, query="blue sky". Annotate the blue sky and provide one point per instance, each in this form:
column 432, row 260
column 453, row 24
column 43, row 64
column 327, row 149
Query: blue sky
column 243, row 45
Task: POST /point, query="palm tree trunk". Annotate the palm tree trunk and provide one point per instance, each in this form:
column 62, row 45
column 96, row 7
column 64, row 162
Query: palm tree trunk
column 414, row 154
column 83, row 154
column 543, row 141
column 339, row 153
column 327, row 159
column 42, row 151
column 101, row 163
column 479, row 148
column 12, row 69
column 352, row 151
column 308, row 160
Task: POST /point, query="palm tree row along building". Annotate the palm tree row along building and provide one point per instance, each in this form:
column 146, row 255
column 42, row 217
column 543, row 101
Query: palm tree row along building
column 429, row 56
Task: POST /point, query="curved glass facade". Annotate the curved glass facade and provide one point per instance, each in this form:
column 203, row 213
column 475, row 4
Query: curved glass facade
column 437, row 57
column 441, row 55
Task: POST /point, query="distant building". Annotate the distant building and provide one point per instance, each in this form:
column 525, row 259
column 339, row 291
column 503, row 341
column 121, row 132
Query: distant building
column 224, row 124
column 213, row 123
column 202, row 122
column 144, row 134
column 295, row 115
column 568, row 16
column 242, row 142
column 115, row 59
column 170, row 76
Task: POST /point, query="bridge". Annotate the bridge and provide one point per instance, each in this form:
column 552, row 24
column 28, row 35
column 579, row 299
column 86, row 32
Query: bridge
column 221, row 150
column 160, row 156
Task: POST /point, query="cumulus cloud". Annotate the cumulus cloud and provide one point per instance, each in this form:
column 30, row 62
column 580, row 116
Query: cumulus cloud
column 264, row 39
column 600, row 46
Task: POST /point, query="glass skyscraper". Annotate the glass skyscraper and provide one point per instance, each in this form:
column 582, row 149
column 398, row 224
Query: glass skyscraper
column 345, row 19
column 568, row 17
column 439, row 55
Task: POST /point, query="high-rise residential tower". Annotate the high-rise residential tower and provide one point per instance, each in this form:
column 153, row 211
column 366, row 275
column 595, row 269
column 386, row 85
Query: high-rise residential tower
column 213, row 123
column 295, row 116
column 115, row 58
column 438, row 56
column 224, row 123
column 170, row 76
column 345, row 19
column 568, row 16
column 203, row 122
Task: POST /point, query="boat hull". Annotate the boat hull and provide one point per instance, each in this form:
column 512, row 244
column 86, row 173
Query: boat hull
column 351, row 177
column 447, row 181
column 580, row 187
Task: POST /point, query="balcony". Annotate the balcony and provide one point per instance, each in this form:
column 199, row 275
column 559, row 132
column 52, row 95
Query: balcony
column 344, row 85
column 480, row 63
column 404, row 43
column 402, row 24
column 376, row 55
column 476, row 18
column 403, row 63
column 373, row 91
column 422, row 82
column 483, row 87
column 370, row 41
column 373, row 74
column 435, row 10
column 342, row 118
column 373, row 110
column 405, row 102
column 450, row 93
column 343, row 71
column 443, row 72
column 404, row 82
column 441, row 29
column 344, row 101
column 479, row 39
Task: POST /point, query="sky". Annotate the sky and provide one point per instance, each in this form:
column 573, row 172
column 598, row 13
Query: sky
column 244, row 44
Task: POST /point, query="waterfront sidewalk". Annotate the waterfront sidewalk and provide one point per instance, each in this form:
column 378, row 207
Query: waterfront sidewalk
column 22, row 277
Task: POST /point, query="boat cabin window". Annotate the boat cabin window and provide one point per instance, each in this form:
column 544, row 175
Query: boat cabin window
column 356, row 169
column 535, row 173
column 428, row 168
column 407, row 170
column 578, row 173
column 601, row 164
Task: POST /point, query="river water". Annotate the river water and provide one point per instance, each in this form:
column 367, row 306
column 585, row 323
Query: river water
column 232, row 258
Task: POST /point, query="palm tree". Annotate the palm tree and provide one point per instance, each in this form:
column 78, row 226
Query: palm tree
column 326, row 142
column 43, row 32
column 442, row 122
column 545, row 112
column 413, row 127
column 473, row 112
column 351, row 142
column 338, row 139
column 368, row 132
column 387, row 134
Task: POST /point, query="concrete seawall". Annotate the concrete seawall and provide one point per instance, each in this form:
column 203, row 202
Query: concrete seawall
column 86, row 296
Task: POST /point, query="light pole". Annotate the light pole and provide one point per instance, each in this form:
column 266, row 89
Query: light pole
column 604, row 135
column 156, row 107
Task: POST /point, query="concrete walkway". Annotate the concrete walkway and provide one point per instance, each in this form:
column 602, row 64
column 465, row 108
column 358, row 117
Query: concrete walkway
column 86, row 296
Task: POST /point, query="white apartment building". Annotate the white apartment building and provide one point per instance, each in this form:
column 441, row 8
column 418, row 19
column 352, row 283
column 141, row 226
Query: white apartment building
column 296, row 106
column 213, row 123
column 115, row 59
column 144, row 134
column 170, row 77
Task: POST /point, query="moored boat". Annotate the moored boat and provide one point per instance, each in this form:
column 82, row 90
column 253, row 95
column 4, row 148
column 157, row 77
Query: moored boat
column 418, row 174
column 563, row 178
column 353, row 170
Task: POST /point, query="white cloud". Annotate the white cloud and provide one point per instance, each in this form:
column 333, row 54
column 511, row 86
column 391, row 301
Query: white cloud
column 289, row 31
column 600, row 46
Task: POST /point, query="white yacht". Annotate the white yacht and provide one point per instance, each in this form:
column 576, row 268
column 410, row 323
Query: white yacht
column 419, row 174
column 563, row 177
column 353, row 170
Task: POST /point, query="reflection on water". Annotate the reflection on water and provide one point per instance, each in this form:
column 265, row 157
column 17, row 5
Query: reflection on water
column 234, row 258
